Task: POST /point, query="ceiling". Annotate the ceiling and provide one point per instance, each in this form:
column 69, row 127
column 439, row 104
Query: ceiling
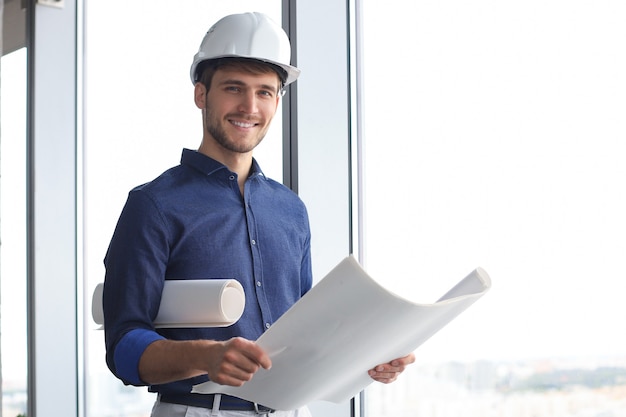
column 13, row 26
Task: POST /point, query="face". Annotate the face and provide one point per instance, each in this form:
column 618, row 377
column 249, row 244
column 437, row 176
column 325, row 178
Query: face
column 239, row 108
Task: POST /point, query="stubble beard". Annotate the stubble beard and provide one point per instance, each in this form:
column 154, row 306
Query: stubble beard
column 217, row 132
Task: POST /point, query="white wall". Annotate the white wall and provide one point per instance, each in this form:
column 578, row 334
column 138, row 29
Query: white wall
column 323, row 139
column 52, row 213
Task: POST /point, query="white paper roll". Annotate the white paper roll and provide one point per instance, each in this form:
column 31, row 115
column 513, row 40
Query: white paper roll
column 190, row 303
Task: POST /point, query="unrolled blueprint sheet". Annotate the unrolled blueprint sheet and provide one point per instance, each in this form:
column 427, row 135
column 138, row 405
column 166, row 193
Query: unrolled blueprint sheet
column 322, row 348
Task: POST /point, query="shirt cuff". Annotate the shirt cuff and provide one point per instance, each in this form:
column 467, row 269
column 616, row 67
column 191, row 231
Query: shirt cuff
column 128, row 352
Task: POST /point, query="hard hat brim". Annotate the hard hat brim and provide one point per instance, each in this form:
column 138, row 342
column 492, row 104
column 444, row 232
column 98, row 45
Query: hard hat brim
column 292, row 73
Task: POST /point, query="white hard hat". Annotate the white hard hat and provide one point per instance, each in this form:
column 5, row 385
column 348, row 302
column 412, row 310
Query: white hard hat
column 247, row 35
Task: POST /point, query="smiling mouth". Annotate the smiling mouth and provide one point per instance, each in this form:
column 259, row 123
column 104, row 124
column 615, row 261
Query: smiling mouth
column 241, row 124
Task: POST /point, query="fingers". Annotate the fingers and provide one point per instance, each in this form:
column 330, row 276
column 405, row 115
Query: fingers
column 389, row 372
column 384, row 374
column 251, row 351
column 238, row 361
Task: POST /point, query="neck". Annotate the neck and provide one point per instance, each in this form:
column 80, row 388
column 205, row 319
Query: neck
column 239, row 163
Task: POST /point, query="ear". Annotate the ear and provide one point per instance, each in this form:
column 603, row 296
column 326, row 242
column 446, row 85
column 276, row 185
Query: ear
column 277, row 102
column 199, row 95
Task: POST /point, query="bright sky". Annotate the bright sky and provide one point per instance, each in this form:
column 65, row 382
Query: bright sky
column 13, row 217
column 496, row 137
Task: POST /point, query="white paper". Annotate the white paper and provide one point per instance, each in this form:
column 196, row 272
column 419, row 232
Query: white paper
column 322, row 348
column 190, row 303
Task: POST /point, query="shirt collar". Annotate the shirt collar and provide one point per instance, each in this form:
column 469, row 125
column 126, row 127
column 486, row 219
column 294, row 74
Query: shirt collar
column 208, row 165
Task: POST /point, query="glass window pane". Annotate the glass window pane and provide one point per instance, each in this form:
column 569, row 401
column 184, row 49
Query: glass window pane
column 139, row 114
column 494, row 137
column 13, row 349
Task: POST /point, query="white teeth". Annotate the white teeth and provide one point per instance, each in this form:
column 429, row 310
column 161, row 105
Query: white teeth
column 242, row 124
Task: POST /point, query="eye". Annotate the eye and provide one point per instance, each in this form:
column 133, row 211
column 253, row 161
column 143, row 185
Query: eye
column 266, row 93
column 233, row 88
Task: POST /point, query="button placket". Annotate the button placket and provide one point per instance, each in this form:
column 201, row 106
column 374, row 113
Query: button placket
column 258, row 275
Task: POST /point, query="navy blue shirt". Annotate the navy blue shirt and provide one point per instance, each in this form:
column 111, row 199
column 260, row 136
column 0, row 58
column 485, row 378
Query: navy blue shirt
column 192, row 222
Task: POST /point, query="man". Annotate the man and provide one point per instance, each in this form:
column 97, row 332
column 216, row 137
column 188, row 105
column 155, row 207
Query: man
column 214, row 216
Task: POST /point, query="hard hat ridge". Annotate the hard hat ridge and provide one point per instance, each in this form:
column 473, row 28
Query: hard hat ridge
column 246, row 35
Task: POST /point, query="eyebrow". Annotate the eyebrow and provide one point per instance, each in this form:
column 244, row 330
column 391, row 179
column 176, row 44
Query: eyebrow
column 242, row 84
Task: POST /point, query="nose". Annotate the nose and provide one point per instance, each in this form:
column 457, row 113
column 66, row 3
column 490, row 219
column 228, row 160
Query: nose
column 249, row 103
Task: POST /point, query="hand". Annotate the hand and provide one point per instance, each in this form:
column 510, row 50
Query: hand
column 232, row 362
column 389, row 372
column 235, row 362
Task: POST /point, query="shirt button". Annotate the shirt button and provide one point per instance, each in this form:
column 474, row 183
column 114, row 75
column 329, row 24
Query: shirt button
column 253, row 242
column 267, row 325
column 258, row 283
column 232, row 177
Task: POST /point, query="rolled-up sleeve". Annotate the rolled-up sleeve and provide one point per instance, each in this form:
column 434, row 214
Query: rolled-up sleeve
column 135, row 268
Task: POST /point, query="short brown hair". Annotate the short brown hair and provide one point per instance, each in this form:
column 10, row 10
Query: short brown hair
column 206, row 69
